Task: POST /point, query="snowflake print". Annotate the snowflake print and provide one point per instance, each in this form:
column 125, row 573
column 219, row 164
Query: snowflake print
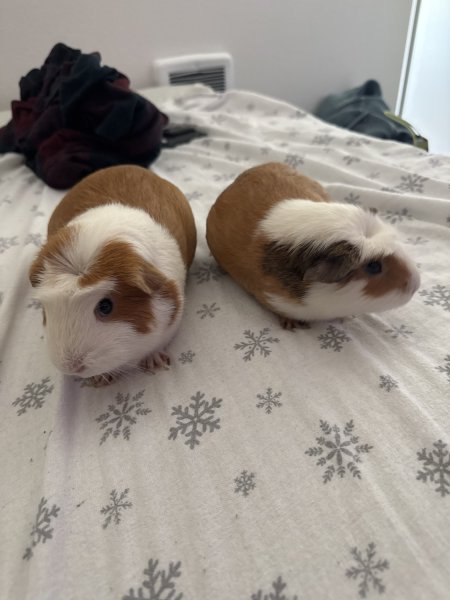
column 367, row 570
column 439, row 295
column 33, row 396
column 401, row 331
column 322, row 140
column 195, row 419
column 224, row 177
column 41, row 530
column 417, row 241
column 445, row 368
column 269, row 400
column 374, row 175
column 333, row 339
column 218, row 119
column 356, row 141
column 114, row 509
column 397, row 216
column 244, row 483
column 299, row 114
column 412, row 183
column 340, row 449
column 293, row 160
column 278, row 594
column 387, row 383
column 208, row 311
column 173, row 168
column 121, row 416
column 6, row 243
column 6, row 200
column 34, row 304
column 264, row 150
column 435, row 162
column 186, row 357
column 195, row 195
column 353, row 199
column 348, row 159
column 35, row 209
column 436, row 467
column 256, row 343
column 158, row 584
column 34, row 238
column 207, row 271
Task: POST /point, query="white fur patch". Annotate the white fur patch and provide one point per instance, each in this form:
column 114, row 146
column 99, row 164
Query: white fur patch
column 295, row 222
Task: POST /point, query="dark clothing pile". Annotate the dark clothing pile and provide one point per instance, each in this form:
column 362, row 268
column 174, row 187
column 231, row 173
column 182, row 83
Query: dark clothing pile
column 363, row 109
column 75, row 117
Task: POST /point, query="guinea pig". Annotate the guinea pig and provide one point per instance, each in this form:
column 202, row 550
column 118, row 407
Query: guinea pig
column 111, row 275
column 304, row 257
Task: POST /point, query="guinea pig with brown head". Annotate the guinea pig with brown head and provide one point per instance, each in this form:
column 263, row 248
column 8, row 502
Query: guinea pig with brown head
column 306, row 258
column 111, row 275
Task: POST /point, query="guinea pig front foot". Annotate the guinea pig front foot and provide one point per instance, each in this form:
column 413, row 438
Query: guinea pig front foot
column 154, row 361
column 292, row 324
column 101, row 380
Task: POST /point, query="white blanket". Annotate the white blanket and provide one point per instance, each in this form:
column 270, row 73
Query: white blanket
column 263, row 464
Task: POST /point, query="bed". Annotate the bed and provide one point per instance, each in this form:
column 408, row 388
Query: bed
column 264, row 464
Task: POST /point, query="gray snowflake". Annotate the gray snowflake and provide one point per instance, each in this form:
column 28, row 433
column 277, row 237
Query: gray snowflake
column 367, row 570
column 353, row 199
column 412, row 183
column 218, row 119
column 343, row 449
column 299, row 114
column 121, row 416
column 293, row 160
column 436, row 467
column 34, row 238
column 417, row 241
column 401, row 331
column 195, row 419
column 333, row 338
column 439, row 295
column 173, row 168
column 41, row 530
column 244, row 483
column 322, row 140
column 264, row 150
column 277, row 594
column 186, row 357
column 158, row 584
column 194, row 195
column 208, row 311
column 388, row 383
column 33, row 396
column 269, row 400
column 435, row 162
column 34, row 304
column 374, row 175
column 6, row 243
column 6, row 200
column 256, row 343
column 349, row 159
column 35, row 209
column 114, row 509
column 397, row 216
column 445, row 368
column 356, row 141
column 207, row 271
column 224, row 177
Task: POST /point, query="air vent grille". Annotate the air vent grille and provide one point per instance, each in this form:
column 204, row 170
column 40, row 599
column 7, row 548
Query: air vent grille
column 215, row 78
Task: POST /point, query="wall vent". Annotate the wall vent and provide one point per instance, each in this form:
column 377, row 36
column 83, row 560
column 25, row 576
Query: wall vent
column 214, row 70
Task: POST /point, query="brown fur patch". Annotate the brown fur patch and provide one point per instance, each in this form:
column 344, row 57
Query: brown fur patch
column 137, row 187
column 232, row 224
column 395, row 275
column 136, row 282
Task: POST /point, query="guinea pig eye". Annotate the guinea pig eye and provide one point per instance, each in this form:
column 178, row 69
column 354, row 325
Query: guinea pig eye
column 373, row 268
column 104, row 307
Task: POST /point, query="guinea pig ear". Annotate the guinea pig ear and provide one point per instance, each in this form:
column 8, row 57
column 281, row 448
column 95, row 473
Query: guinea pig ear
column 333, row 264
column 149, row 279
column 37, row 270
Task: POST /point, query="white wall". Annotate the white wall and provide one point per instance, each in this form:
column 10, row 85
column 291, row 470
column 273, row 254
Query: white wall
column 427, row 96
column 298, row 50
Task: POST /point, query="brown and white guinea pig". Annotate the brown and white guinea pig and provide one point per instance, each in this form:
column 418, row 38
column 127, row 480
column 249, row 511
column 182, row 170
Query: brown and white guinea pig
column 278, row 234
column 111, row 275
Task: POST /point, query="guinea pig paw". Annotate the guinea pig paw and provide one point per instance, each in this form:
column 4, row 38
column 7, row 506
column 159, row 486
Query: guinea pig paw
column 100, row 380
column 292, row 324
column 154, row 361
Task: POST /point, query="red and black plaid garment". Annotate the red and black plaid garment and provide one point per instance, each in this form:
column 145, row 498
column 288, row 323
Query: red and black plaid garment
column 75, row 117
